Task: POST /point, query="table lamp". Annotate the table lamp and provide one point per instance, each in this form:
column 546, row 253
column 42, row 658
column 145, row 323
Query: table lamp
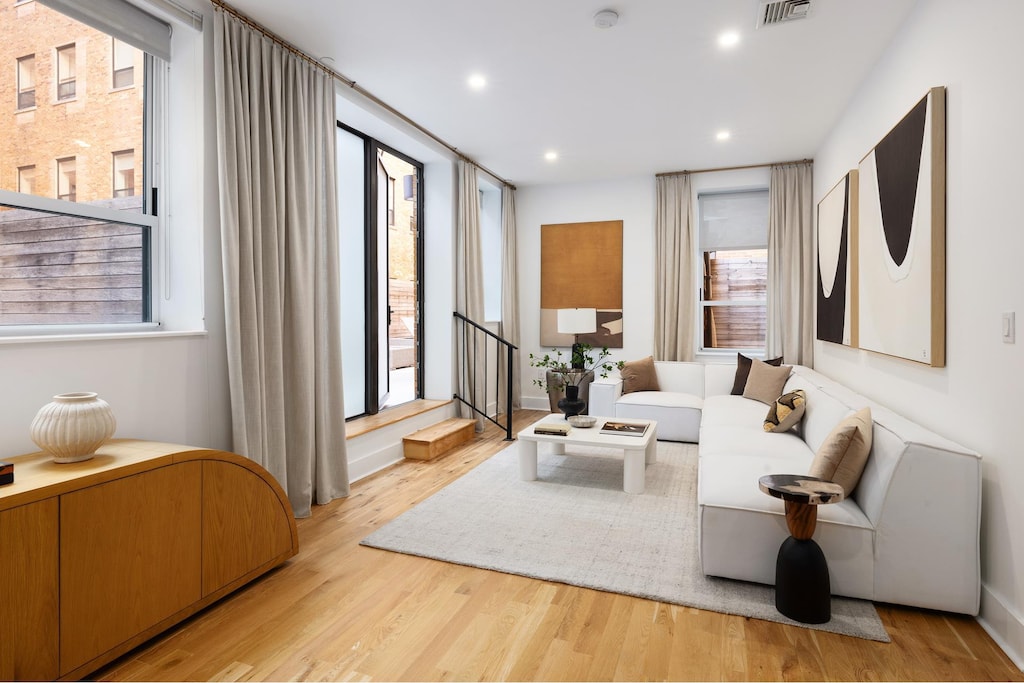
column 577, row 321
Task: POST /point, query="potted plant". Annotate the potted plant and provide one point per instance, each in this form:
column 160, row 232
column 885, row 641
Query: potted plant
column 587, row 361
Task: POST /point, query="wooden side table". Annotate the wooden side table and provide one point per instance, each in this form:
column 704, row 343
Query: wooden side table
column 802, row 589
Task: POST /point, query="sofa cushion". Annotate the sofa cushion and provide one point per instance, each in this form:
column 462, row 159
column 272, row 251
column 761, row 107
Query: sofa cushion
column 669, row 399
column 765, row 382
column 842, row 456
column 639, row 375
column 786, row 411
column 744, row 442
column 743, row 371
column 677, row 414
column 732, row 412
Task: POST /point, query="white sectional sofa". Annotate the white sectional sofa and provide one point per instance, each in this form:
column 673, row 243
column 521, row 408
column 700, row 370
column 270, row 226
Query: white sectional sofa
column 909, row 533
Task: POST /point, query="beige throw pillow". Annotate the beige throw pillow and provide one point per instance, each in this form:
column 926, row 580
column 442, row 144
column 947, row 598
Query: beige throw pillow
column 765, row 382
column 844, row 452
column 639, row 375
column 739, row 381
column 786, row 411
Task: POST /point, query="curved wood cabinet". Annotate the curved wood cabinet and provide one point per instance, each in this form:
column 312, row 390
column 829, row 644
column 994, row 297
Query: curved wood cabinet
column 99, row 556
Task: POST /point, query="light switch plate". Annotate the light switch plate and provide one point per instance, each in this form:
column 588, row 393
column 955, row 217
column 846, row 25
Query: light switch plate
column 1009, row 328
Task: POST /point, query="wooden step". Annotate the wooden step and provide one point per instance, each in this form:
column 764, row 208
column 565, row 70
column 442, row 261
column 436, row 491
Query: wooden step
column 436, row 440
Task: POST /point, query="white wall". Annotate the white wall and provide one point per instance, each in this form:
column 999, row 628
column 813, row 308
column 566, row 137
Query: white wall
column 976, row 398
column 630, row 200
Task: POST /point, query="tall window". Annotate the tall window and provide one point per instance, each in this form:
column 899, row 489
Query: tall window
column 79, row 213
column 382, row 267
column 490, row 246
column 122, row 64
column 124, row 173
column 734, row 266
column 66, row 72
column 27, row 82
column 27, row 179
column 67, row 181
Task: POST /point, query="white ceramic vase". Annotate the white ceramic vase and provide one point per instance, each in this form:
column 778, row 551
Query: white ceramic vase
column 73, row 426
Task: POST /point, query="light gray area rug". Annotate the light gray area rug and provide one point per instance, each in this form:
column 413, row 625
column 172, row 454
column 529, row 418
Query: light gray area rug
column 575, row 525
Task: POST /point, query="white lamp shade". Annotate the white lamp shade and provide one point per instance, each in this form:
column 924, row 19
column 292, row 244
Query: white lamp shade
column 577, row 320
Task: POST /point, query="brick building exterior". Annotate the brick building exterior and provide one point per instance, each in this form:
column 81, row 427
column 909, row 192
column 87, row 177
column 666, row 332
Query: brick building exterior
column 71, row 125
column 401, row 247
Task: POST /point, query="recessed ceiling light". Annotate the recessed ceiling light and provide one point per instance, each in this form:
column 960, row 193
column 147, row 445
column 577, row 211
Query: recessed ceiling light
column 477, row 82
column 722, row 135
column 728, row 39
column 551, row 156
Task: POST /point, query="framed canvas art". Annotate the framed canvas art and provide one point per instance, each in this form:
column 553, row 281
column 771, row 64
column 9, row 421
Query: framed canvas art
column 581, row 267
column 837, row 265
column 901, row 238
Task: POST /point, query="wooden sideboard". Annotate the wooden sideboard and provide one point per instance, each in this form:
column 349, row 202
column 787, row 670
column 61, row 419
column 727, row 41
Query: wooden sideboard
column 99, row 556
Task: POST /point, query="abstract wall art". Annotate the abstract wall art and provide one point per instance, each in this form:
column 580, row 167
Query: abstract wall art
column 901, row 238
column 837, row 275
column 581, row 267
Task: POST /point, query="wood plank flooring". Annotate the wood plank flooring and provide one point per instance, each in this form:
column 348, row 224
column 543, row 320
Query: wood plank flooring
column 341, row 611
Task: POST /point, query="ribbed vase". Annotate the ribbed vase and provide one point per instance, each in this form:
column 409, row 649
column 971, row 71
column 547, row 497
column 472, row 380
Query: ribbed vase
column 73, row 426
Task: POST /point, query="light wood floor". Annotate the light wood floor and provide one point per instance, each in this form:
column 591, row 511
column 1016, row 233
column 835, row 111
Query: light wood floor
column 340, row 611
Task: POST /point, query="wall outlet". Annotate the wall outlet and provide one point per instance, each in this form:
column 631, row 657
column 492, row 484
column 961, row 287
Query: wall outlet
column 1009, row 328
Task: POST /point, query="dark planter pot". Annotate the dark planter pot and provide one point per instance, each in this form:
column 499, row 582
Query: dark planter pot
column 571, row 404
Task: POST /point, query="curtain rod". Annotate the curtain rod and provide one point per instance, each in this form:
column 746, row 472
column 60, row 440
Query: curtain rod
column 734, row 168
column 223, row 6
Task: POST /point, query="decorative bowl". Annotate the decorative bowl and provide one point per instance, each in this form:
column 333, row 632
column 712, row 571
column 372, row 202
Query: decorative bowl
column 581, row 420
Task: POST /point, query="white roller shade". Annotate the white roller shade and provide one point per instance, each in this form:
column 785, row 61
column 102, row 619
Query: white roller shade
column 733, row 220
column 122, row 20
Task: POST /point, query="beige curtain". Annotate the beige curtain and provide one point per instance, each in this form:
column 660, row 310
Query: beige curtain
column 510, row 294
column 278, row 210
column 674, row 292
column 469, row 291
column 791, row 264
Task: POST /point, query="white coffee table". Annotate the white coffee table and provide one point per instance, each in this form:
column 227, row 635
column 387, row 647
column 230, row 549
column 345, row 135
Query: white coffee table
column 638, row 451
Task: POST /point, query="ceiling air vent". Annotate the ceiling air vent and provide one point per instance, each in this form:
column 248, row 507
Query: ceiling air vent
column 773, row 12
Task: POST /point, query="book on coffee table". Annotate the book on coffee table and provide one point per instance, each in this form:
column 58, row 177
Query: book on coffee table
column 624, row 428
column 552, row 429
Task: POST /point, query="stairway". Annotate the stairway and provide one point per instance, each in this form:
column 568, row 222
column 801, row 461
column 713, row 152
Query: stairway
column 436, row 440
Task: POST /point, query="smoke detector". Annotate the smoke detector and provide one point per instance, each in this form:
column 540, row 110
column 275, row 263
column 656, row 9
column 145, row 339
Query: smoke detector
column 770, row 12
column 606, row 18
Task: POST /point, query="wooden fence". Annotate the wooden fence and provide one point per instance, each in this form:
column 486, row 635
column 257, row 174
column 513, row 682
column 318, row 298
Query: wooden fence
column 58, row 269
column 735, row 278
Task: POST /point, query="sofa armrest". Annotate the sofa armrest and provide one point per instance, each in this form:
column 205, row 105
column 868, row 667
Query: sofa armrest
column 603, row 395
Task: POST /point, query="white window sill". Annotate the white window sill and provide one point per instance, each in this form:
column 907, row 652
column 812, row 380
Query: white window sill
column 42, row 338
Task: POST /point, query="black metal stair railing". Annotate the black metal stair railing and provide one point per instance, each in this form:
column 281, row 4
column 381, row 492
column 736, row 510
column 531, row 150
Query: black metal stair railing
column 476, row 344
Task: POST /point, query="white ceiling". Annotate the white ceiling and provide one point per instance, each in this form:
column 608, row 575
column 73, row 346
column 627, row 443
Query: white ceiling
column 646, row 96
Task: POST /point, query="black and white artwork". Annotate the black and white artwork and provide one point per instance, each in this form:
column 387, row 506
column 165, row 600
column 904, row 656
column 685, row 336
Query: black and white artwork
column 836, row 269
column 901, row 238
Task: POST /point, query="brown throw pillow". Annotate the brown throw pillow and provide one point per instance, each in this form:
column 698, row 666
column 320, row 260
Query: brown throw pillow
column 739, row 383
column 765, row 382
column 844, row 452
column 639, row 375
column 786, row 411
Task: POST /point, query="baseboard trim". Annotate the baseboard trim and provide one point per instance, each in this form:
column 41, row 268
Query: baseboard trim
column 1002, row 622
column 535, row 402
